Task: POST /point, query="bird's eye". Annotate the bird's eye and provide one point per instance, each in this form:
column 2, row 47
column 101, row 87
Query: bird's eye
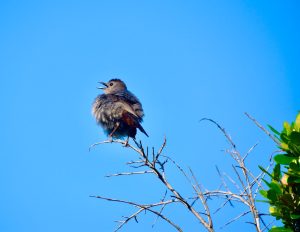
column 111, row 84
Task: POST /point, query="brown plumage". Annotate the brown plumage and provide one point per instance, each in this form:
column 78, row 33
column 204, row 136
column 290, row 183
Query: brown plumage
column 118, row 111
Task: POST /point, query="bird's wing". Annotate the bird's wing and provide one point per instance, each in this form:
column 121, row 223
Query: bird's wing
column 127, row 112
column 133, row 101
column 128, row 96
column 125, row 107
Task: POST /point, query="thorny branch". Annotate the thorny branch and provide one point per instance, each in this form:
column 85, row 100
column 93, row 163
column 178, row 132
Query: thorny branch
column 246, row 185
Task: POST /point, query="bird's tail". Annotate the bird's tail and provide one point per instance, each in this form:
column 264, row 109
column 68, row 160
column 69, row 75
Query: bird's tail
column 133, row 121
column 142, row 129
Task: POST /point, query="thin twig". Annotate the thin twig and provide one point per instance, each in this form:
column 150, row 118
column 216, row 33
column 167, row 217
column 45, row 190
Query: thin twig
column 222, row 129
column 160, row 173
column 129, row 173
column 142, row 207
column 155, row 162
column 162, row 208
column 263, row 129
column 236, row 218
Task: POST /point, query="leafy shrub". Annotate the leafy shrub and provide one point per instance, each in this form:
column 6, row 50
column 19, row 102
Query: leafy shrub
column 283, row 192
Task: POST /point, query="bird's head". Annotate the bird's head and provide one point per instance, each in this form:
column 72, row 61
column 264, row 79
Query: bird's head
column 113, row 86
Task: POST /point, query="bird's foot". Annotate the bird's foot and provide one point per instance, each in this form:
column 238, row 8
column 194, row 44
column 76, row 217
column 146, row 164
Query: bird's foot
column 110, row 138
column 126, row 142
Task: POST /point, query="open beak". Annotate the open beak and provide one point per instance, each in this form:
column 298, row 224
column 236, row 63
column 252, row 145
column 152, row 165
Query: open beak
column 103, row 83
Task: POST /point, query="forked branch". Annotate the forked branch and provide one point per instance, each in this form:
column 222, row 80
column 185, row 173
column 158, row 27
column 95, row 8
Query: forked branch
column 244, row 191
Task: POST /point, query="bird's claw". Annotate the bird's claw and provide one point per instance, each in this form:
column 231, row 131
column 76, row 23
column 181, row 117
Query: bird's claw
column 126, row 142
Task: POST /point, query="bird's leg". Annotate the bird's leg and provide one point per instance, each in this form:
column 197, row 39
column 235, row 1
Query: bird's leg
column 114, row 130
column 126, row 142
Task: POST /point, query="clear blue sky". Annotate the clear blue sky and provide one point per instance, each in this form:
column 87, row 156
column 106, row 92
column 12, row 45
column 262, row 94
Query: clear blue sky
column 185, row 60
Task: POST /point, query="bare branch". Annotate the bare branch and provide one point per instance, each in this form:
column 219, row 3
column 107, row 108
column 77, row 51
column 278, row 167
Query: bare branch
column 249, row 151
column 160, row 173
column 235, row 219
column 202, row 199
column 263, row 129
column 129, row 173
column 162, row 208
column 152, row 162
column 222, row 129
column 142, row 207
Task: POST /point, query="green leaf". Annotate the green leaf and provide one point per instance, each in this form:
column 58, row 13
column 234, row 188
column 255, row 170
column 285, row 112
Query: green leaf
column 287, row 127
column 274, row 130
column 276, row 187
column 294, row 167
column 266, row 182
column 265, row 171
column 272, row 195
column 297, row 122
column 295, row 137
column 284, row 137
column 280, row 229
column 276, row 172
column 283, row 159
column 274, row 211
column 295, row 216
column 284, row 146
column 263, row 201
column 277, row 137
column 293, row 180
column 294, row 149
column 292, row 126
column 264, row 193
column 288, row 201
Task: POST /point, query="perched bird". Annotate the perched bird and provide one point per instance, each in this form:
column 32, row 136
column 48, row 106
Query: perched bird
column 118, row 111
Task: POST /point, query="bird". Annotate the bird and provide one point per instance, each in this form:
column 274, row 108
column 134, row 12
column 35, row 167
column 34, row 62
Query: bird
column 118, row 111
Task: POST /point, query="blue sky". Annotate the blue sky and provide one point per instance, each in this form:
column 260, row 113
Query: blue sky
column 185, row 60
